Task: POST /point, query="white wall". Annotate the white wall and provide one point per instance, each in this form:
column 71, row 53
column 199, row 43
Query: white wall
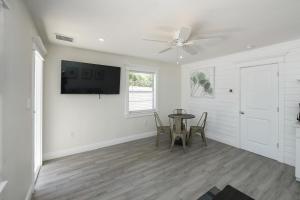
column 223, row 120
column 16, row 90
column 74, row 123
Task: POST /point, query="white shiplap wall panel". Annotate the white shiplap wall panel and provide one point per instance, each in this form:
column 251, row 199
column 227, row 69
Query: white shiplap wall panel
column 292, row 99
column 223, row 109
column 223, row 116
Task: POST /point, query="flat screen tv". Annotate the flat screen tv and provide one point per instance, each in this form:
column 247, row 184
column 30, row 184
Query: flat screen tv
column 84, row 78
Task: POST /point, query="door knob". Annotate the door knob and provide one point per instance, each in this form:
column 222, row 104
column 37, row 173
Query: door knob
column 241, row 112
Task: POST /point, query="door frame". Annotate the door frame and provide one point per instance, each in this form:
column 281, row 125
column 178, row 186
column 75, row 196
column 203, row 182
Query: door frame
column 279, row 61
column 34, row 51
column 37, row 46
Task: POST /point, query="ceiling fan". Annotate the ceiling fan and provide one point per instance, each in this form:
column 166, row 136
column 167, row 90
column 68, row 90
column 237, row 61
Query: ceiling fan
column 182, row 39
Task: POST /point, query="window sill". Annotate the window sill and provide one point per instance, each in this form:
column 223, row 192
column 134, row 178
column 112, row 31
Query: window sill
column 138, row 114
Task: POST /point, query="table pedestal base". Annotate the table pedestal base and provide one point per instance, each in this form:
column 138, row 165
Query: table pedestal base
column 179, row 142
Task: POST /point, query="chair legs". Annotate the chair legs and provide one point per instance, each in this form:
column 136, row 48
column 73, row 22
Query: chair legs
column 157, row 139
column 190, row 138
column 202, row 132
column 186, row 138
column 173, row 142
column 170, row 134
column 183, row 141
column 203, row 137
column 158, row 136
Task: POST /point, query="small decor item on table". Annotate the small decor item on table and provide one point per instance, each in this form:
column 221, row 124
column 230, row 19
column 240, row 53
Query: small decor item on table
column 298, row 116
column 179, row 111
column 202, row 82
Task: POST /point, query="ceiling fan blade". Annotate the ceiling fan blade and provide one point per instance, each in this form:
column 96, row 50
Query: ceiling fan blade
column 165, row 50
column 189, row 43
column 184, row 34
column 190, row 49
column 155, row 40
column 211, row 37
column 198, row 41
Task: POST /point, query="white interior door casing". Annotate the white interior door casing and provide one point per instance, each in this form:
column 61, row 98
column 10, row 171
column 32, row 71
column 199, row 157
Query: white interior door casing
column 1, row 83
column 38, row 111
column 259, row 110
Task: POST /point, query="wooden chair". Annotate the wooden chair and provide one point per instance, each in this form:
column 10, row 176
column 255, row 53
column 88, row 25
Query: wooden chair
column 181, row 111
column 199, row 128
column 160, row 128
column 178, row 132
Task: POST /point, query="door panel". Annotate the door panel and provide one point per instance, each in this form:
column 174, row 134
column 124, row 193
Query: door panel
column 257, row 130
column 259, row 102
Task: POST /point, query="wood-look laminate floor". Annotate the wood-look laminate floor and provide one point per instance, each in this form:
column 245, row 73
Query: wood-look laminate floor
column 138, row 170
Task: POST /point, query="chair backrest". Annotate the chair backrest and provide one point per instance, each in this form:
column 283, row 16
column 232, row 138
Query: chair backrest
column 202, row 120
column 177, row 127
column 179, row 111
column 158, row 122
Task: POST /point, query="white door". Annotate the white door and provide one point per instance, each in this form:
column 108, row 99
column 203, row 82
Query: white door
column 259, row 110
column 38, row 111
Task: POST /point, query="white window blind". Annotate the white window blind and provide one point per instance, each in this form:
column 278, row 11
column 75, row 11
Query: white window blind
column 141, row 91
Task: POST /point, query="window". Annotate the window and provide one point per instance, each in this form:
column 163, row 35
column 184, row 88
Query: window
column 141, row 91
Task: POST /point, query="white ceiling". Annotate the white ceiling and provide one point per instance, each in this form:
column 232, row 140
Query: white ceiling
column 123, row 24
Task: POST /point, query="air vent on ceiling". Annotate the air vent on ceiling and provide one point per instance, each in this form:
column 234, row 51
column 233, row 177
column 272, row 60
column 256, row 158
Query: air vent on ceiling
column 64, row 38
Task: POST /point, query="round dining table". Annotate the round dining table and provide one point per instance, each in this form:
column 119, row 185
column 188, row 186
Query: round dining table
column 182, row 116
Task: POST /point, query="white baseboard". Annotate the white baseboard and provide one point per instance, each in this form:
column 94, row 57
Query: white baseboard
column 230, row 140
column 67, row 152
column 29, row 193
column 288, row 160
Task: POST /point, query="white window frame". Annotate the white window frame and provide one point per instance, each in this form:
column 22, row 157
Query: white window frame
column 141, row 69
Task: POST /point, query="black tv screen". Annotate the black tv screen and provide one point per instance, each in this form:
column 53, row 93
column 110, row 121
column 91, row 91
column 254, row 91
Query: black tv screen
column 84, row 78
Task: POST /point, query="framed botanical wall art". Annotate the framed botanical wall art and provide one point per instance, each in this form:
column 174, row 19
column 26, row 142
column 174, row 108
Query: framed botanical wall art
column 202, row 82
